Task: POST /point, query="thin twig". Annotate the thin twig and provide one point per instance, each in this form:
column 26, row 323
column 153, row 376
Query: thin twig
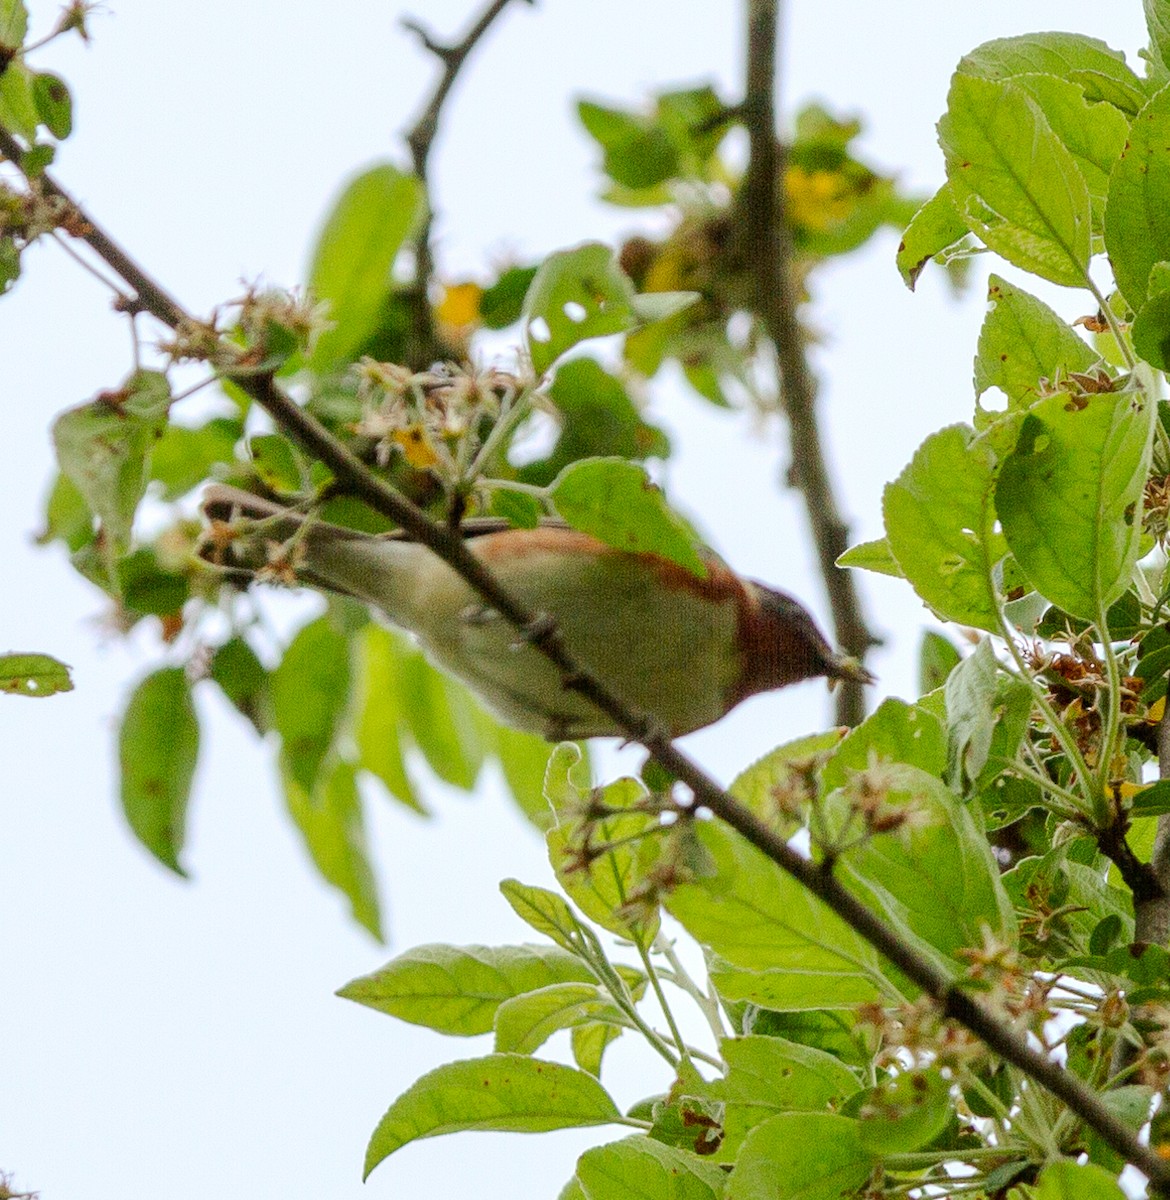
column 764, row 245
column 424, row 342
column 954, row 1001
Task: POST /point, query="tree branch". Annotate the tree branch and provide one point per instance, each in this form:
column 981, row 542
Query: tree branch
column 425, row 345
column 1151, row 915
column 764, row 247
column 541, row 631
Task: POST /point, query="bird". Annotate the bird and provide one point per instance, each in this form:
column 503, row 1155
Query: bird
column 682, row 648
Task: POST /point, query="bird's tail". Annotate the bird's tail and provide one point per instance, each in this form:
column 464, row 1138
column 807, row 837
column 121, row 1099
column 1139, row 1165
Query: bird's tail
column 249, row 537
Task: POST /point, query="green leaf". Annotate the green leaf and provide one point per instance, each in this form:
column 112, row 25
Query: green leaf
column 276, row 463
column 1015, row 183
column 243, row 680
column 939, row 524
column 310, row 692
column 603, row 885
column 1069, row 497
column 53, row 103
column 872, row 556
column 18, row 109
column 353, row 261
column 148, row 588
column 329, row 817
column 13, row 24
column 800, row 1156
column 441, row 717
column 935, row 878
column 9, row 264
column 661, row 306
column 905, row 1113
column 524, row 1023
column 502, row 303
column 572, row 1191
column 524, row 759
column 507, row 1092
column 545, row 912
column 576, row 294
column 1151, row 331
column 937, row 658
column 1072, row 56
column 934, row 227
column 521, row 510
column 33, row 675
column 791, row 950
column 1153, row 800
column 895, row 732
column 67, row 516
column 458, row 989
column 987, row 716
column 597, row 417
column 771, row 1075
column 1065, row 1180
column 641, row 1168
column 638, row 152
column 589, row 1043
column 780, row 771
column 104, row 447
column 1022, row 342
column 183, row 457
column 1137, row 219
column 1158, row 24
column 379, row 716
column 615, row 501
column 158, row 746
column 1095, row 134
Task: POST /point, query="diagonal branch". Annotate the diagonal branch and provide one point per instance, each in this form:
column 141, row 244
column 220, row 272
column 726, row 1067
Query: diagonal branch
column 424, row 342
column 954, row 1001
column 765, row 246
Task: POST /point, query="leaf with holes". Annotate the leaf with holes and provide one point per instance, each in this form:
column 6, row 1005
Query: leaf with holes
column 33, row 675
column 583, row 293
column 1022, row 342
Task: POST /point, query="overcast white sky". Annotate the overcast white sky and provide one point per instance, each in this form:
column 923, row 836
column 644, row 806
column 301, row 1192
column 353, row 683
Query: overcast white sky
column 170, row 1039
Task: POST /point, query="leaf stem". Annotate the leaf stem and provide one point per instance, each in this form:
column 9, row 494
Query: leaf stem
column 660, row 995
column 681, row 978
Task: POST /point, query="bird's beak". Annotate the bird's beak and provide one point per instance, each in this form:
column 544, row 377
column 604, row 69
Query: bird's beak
column 844, row 667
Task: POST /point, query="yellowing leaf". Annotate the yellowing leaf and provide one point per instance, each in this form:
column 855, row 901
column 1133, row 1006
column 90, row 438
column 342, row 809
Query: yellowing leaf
column 460, row 305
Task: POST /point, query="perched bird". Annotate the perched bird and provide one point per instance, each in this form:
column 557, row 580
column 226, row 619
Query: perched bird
column 685, row 649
